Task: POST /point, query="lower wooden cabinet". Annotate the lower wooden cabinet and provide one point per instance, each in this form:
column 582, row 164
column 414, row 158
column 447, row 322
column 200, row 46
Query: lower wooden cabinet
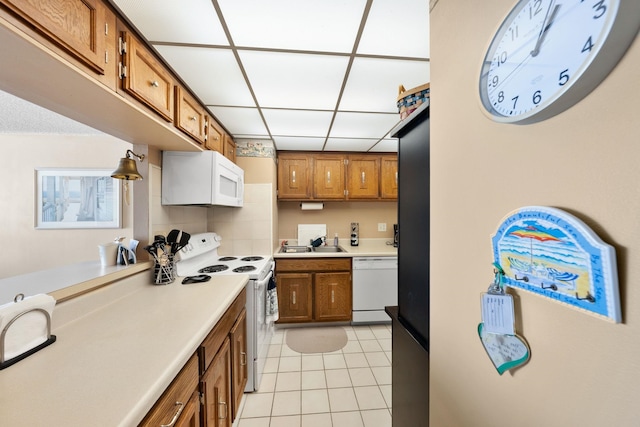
column 238, row 336
column 314, row 289
column 216, row 389
column 190, row 416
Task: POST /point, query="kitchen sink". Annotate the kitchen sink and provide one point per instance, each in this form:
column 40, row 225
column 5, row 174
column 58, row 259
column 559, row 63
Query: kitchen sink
column 294, row 249
column 328, row 249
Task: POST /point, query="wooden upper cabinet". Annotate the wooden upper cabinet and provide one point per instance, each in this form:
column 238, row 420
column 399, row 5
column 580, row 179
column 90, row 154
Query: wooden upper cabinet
column 294, row 179
column 145, row 78
column 328, row 176
column 215, row 136
column 77, row 26
column 363, row 177
column 229, row 148
column 190, row 115
column 389, row 177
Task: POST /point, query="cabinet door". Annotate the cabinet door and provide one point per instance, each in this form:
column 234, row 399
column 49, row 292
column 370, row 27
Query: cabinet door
column 333, row 296
column 215, row 136
column 77, row 26
column 146, row 79
column 389, row 177
column 363, row 177
column 295, row 297
column 328, row 176
column 229, row 148
column 190, row 115
column 294, row 176
column 238, row 337
column 216, row 386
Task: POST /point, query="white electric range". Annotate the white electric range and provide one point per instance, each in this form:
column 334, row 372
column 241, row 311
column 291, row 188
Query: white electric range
column 200, row 256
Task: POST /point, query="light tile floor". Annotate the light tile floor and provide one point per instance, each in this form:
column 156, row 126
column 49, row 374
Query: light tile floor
column 350, row 387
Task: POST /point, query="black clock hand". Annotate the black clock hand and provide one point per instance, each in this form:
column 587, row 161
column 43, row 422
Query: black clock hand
column 545, row 27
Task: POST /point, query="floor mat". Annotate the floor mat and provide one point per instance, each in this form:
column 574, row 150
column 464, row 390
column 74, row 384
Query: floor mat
column 316, row 340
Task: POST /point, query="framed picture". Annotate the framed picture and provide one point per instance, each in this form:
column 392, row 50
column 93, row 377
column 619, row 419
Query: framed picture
column 77, row 198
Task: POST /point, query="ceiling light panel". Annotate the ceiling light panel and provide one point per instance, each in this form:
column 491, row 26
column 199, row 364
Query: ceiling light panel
column 298, row 143
column 386, row 146
column 363, row 125
column 397, row 28
column 240, row 121
column 327, row 25
column 297, row 122
column 349, row 144
column 287, row 80
column 213, row 74
column 373, row 83
column 184, row 21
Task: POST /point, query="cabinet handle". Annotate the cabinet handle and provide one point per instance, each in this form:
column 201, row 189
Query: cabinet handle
column 243, row 358
column 396, row 177
column 328, row 177
column 176, row 416
column 225, row 410
column 362, row 177
column 293, row 176
column 154, row 83
column 192, row 118
column 293, row 298
column 333, row 296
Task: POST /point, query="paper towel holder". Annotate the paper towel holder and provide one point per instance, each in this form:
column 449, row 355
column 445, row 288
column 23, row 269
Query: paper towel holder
column 311, row 206
column 50, row 338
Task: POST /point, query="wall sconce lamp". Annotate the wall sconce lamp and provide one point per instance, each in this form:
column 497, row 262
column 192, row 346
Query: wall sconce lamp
column 127, row 169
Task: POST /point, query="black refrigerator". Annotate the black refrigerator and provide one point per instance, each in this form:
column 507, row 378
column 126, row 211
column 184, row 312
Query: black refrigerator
column 410, row 319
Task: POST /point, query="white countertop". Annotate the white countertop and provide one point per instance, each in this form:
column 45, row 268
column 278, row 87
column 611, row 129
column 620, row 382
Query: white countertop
column 367, row 247
column 117, row 350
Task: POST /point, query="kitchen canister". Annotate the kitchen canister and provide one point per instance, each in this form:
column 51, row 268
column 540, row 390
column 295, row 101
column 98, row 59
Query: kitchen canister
column 355, row 231
column 108, row 253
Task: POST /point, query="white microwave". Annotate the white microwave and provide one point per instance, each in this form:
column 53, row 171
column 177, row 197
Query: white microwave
column 201, row 178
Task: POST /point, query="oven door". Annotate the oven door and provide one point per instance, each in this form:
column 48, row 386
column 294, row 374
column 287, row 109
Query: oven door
column 259, row 331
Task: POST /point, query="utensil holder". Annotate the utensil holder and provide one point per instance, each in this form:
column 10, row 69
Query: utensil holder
column 164, row 269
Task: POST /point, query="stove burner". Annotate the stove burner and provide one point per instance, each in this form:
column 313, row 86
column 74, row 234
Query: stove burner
column 227, row 258
column 244, row 269
column 214, row 268
column 251, row 258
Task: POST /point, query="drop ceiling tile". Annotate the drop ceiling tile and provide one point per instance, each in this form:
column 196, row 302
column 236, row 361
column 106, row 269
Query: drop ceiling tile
column 240, row 121
column 327, row 25
column 386, row 146
column 298, row 143
column 363, row 125
column 303, row 81
column 349, row 144
column 373, row 83
column 297, row 122
column 397, row 28
column 213, row 74
column 184, row 21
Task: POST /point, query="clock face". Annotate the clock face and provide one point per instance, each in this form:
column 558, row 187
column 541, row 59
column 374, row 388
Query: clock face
column 542, row 50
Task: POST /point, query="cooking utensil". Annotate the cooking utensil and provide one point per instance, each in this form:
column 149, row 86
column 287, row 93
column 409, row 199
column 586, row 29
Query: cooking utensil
column 183, row 240
column 196, row 279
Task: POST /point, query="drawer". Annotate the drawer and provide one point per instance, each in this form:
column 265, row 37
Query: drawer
column 175, row 397
column 313, row 264
column 219, row 333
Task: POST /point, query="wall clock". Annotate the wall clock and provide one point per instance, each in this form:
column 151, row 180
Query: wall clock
column 549, row 54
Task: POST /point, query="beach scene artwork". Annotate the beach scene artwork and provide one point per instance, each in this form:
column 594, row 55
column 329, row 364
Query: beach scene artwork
column 554, row 254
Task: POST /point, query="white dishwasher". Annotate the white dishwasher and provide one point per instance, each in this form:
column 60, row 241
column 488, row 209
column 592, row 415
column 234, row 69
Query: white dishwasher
column 375, row 285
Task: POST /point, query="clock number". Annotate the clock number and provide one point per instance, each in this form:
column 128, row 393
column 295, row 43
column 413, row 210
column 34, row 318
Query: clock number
column 537, row 97
column 600, row 9
column 515, row 101
column 537, row 5
column 564, row 78
column 494, row 81
column 587, row 46
column 514, row 33
column 501, row 96
column 501, row 59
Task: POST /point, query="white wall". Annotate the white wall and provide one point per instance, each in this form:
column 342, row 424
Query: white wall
column 583, row 371
column 26, row 249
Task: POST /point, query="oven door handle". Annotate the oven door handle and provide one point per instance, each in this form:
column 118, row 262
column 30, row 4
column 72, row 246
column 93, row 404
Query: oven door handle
column 263, row 282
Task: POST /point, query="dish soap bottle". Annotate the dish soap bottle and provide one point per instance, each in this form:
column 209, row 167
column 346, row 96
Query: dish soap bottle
column 335, row 240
